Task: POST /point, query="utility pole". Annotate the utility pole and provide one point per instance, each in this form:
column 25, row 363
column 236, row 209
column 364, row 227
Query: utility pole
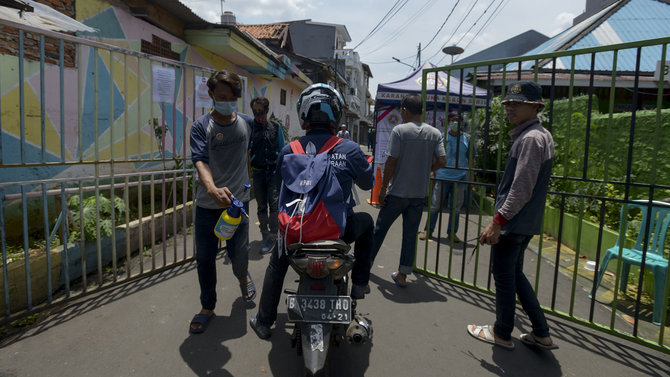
column 418, row 54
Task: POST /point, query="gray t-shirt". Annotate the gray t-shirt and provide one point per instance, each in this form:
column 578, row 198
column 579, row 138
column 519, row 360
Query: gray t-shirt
column 227, row 147
column 414, row 145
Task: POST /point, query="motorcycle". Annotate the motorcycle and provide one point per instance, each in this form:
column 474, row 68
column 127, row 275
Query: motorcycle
column 323, row 313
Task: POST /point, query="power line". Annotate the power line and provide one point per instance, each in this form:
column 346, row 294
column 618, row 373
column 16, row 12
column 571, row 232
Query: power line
column 488, row 22
column 492, row 17
column 455, row 30
column 383, row 21
column 438, row 30
column 475, row 23
column 441, row 27
column 402, row 28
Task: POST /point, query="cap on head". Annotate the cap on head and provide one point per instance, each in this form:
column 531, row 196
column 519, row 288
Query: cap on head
column 525, row 92
column 319, row 104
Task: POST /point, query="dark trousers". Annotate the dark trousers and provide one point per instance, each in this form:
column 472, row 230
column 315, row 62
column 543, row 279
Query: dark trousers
column 359, row 230
column 207, row 246
column 266, row 190
column 410, row 209
column 510, row 281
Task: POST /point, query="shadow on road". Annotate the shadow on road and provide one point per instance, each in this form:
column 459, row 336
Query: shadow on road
column 345, row 360
column 417, row 290
column 205, row 353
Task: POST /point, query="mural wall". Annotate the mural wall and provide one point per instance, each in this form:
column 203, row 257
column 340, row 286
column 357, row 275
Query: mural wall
column 106, row 111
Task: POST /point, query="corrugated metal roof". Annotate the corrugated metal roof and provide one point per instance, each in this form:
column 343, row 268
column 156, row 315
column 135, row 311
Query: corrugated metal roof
column 623, row 21
column 43, row 17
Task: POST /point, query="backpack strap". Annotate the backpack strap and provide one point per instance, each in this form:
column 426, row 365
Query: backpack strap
column 296, row 147
column 330, row 144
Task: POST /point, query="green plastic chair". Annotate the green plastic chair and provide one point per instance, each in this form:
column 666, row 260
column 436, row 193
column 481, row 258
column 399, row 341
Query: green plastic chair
column 658, row 228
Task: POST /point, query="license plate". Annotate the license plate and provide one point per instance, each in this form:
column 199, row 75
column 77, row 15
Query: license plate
column 328, row 309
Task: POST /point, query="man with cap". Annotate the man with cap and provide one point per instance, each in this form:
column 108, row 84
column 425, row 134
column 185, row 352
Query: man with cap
column 518, row 213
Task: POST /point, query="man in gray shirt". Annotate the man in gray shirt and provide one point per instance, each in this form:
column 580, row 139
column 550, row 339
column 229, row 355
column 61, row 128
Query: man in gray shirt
column 415, row 149
column 219, row 151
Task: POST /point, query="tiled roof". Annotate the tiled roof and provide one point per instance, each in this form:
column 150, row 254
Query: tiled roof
column 266, row 31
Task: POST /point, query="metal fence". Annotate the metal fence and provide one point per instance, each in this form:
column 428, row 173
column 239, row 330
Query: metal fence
column 609, row 190
column 95, row 176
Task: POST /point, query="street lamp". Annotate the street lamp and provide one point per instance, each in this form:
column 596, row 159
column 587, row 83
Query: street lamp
column 402, row 62
column 452, row 50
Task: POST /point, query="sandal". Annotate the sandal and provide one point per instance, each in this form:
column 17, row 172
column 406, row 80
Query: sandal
column 202, row 320
column 530, row 340
column 488, row 336
column 247, row 288
column 394, row 276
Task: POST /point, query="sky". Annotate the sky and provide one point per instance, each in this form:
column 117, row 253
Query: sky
column 382, row 30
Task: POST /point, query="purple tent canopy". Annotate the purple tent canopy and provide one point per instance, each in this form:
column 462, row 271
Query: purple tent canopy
column 392, row 93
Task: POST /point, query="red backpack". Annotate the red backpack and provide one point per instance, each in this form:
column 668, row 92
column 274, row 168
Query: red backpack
column 311, row 201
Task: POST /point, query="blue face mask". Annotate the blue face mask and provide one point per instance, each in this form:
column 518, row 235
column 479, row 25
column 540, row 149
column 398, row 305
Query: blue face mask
column 225, row 107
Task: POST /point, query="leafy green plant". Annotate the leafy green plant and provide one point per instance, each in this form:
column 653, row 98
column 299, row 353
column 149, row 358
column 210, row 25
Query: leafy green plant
column 86, row 210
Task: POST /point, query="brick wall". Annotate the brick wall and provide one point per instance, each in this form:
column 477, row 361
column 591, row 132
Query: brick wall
column 159, row 47
column 9, row 39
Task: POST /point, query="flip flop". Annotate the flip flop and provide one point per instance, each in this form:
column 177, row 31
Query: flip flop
column 247, row 288
column 488, row 336
column 529, row 339
column 394, row 276
column 202, row 320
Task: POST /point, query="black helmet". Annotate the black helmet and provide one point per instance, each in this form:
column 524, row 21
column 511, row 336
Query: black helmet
column 320, row 103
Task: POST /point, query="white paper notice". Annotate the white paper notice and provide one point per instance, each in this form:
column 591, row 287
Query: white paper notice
column 164, row 84
column 201, row 92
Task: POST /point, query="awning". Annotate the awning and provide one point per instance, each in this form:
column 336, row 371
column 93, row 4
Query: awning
column 42, row 16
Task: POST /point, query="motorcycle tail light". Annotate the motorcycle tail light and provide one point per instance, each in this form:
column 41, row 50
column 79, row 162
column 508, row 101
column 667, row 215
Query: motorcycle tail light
column 300, row 265
column 334, row 263
column 317, row 268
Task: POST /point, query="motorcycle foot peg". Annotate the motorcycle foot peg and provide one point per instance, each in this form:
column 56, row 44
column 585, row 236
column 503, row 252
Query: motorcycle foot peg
column 290, row 291
column 359, row 330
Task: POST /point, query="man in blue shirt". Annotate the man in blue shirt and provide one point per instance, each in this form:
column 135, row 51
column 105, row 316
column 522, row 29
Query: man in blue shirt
column 319, row 110
column 267, row 140
column 447, row 192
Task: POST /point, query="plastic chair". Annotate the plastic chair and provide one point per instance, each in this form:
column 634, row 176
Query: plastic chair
column 658, row 228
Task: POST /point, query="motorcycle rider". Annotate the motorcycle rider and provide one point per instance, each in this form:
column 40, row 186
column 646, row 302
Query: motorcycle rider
column 319, row 110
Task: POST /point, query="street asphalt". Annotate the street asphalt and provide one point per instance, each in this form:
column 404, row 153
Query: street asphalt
column 141, row 329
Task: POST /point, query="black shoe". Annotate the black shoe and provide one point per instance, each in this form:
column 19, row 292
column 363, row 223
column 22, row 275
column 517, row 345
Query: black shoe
column 267, row 245
column 261, row 330
column 357, row 292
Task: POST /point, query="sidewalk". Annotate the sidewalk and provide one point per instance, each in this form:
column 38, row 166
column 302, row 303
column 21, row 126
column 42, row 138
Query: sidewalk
column 141, row 329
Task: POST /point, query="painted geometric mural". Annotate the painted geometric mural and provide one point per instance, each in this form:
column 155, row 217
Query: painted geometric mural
column 106, row 111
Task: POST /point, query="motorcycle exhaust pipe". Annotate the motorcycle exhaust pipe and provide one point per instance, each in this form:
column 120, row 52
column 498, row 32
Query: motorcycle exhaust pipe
column 359, row 330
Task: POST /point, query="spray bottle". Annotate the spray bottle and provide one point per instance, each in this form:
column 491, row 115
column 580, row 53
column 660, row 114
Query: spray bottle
column 230, row 218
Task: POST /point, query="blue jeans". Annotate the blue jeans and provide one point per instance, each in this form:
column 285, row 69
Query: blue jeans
column 266, row 190
column 207, row 246
column 510, row 281
column 411, row 209
column 358, row 230
column 445, row 195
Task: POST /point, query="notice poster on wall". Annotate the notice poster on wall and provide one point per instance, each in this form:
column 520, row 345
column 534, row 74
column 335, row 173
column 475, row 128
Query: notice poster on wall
column 163, row 84
column 201, row 92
